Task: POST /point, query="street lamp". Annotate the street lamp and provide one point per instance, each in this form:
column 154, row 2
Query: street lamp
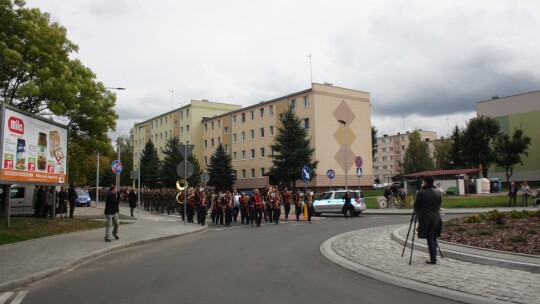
column 139, row 165
column 344, row 123
column 119, row 88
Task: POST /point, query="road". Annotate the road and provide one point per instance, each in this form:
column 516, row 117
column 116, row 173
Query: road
column 271, row 264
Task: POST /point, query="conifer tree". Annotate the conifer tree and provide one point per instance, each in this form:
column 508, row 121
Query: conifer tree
column 220, row 170
column 172, row 158
column 150, row 166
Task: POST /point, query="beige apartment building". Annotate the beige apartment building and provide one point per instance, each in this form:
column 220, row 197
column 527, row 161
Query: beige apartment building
column 247, row 134
column 391, row 153
column 184, row 123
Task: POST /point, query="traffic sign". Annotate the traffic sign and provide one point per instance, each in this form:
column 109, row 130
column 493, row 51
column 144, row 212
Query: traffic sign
column 306, row 173
column 330, row 174
column 117, row 166
column 359, row 162
column 185, row 169
column 186, row 149
column 358, row 172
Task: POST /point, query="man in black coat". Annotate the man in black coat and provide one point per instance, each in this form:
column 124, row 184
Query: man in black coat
column 512, row 194
column 427, row 206
column 111, row 213
column 72, row 196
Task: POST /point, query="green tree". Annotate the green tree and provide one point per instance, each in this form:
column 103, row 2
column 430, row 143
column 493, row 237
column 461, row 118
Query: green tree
column 150, row 166
column 172, row 158
column 220, row 170
column 292, row 150
column 417, row 157
column 443, row 156
column 508, row 151
column 476, row 142
column 126, row 156
column 195, row 179
column 374, row 145
column 37, row 75
column 456, row 157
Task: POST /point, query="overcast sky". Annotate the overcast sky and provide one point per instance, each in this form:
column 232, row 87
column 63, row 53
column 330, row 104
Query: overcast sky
column 425, row 63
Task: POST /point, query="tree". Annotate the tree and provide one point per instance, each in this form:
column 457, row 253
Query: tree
column 508, row 151
column 374, row 145
column 172, row 158
column 292, row 150
column 37, row 75
column 220, row 170
column 443, row 157
column 476, row 142
column 456, row 158
column 195, row 179
column 417, row 158
column 150, row 166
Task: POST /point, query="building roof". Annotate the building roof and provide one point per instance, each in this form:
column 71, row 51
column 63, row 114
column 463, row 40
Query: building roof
column 443, row 172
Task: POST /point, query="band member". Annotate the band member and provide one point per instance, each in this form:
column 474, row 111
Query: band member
column 181, row 210
column 269, row 200
column 236, row 208
column 214, row 199
column 220, row 208
column 250, row 211
column 277, row 207
column 242, row 200
column 201, row 213
column 308, row 200
column 229, row 205
column 257, row 201
column 197, row 203
column 190, row 206
column 297, row 204
column 286, row 202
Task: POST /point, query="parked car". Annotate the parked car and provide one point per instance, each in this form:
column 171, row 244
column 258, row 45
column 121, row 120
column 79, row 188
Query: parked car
column 83, row 199
column 332, row 202
column 377, row 186
column 21, row 197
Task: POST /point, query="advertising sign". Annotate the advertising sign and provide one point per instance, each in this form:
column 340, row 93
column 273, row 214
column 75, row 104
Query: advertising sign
column 33, row 149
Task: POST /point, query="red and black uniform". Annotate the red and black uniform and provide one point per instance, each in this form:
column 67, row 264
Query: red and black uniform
column 258, row 205
column 276, row 206
column 287, row 203
column 250, row 210
column 297, row 205
column 269, row 200
column 201, row 212
column 220, row 210
column 214, row 206
column 229, row 205
column 308, row 200
column 236, row 207
column 190, row 208
column 243, row 209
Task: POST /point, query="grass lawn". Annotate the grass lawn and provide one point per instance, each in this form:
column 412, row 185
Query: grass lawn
column 27, row 228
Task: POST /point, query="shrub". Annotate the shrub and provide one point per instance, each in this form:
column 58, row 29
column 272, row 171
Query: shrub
column 496, row 216
column 518, row 214
column 518, row 239
column 484, row 232
column 473, row 219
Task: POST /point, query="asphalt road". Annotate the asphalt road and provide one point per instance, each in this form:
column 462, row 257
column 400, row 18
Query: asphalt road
column 271, row 264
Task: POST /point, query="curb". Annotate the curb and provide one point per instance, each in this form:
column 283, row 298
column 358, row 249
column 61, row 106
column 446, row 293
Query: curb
column 329, row 253
column 87, row 258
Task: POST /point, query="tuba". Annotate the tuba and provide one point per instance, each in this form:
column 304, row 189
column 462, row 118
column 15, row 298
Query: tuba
column 180, row 185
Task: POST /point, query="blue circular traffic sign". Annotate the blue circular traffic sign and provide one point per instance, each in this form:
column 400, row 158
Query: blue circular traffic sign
column 358, row 162
column 117, row 166
column 306, row 174
column 330, row 174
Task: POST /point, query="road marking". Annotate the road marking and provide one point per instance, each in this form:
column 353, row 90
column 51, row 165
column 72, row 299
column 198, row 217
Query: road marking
column 18, row 299
column 5, row 296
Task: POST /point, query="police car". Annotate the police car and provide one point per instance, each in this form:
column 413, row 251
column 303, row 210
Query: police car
column 332, row 202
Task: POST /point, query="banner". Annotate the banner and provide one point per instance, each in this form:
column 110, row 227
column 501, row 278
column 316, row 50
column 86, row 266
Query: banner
column 34, row 149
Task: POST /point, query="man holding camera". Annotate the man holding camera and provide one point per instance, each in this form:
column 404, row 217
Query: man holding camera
column 427, row 206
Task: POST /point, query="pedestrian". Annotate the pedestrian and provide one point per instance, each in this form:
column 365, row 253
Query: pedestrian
column 72, row 196
column 525, row 192
column 256, row 200
column 276, row 207
column 220, row 208
column 201, row 212
column 297, row 205
column 427, row 206
column 537, row 198
column 236, row 208
column 512, row 194
column 190, row 208
column 308, row 200
column 348, row 208
column 439, row 187
column 62, row 202
column 286, row 202
column 229, row 205
column 39, row 196
column 242, row 200
column 111, row 213
column 48, row 203
column 214, row 203
column 250, row 210
column 132, row 198
column 269, row 201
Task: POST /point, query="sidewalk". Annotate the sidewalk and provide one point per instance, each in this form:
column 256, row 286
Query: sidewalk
column 28, row 261
column 465, row 274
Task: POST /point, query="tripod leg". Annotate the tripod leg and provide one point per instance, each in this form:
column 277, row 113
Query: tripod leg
column 412, row 244
column 440, row 252
column 407, row 238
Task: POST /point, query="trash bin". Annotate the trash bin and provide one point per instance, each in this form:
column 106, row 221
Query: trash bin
column 452, row 191
column 495, row 185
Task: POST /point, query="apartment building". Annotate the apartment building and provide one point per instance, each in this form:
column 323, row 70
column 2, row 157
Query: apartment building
column 184, row 123
column 391, row 153
column 247, row 134
column 511, row 112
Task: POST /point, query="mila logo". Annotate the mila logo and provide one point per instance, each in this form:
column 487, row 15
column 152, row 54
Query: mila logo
column 16, row 125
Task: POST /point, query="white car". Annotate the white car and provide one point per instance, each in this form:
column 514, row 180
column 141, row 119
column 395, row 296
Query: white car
column 332, row 202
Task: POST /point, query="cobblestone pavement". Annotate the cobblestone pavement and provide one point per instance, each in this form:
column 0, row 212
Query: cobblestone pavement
column 373, row 251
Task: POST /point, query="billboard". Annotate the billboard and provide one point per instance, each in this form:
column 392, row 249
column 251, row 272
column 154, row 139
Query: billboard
column 34, row 149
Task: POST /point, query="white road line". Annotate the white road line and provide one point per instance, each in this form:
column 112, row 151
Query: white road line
column 5, row 296
column 18, row 299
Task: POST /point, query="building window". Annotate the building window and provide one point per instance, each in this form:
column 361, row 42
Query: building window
column 271, row 151
column 187, row 113
column 271, row 130
column 376, row 167
column 280, row 117
column 293, row 104
column 227, row 148
column 261, row 151
column 306, row 101
column 219, row 140
column 252, row 115
column 261, row 112
column 234, row 138
column 181, row 114
column 181, row 130
column 212, row 125
column 384, row 149
column 234, row 156
column 205, row 127
column 252, row 172
column 384, row 158
column 262, row 172
column 212, row 142
column 252, row 153
column 306, row 123
column 226, row 129
column 187, row 128
column 243, row 154
column 243, row 117
column 219, row 124
column 234, row 119
column 261, row 130
column 206, row 160
column 271, row 110
column 243, row 136
column 243, row 173
column 252, row 134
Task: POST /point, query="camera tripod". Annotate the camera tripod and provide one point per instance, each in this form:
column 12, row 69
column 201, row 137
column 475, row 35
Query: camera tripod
column 413, row 219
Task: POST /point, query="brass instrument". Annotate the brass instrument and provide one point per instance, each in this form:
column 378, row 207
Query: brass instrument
column 180, row 185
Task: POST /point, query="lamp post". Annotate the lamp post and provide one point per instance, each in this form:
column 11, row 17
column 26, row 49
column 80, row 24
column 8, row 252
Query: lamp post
column 344, row 123
column 139, row 165
column 117, row 175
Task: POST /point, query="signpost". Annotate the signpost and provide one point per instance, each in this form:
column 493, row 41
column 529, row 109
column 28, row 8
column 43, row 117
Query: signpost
column 117, row 166
column 306, row 174
column 186, row 172
column 330, row 174
column 358, row 162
